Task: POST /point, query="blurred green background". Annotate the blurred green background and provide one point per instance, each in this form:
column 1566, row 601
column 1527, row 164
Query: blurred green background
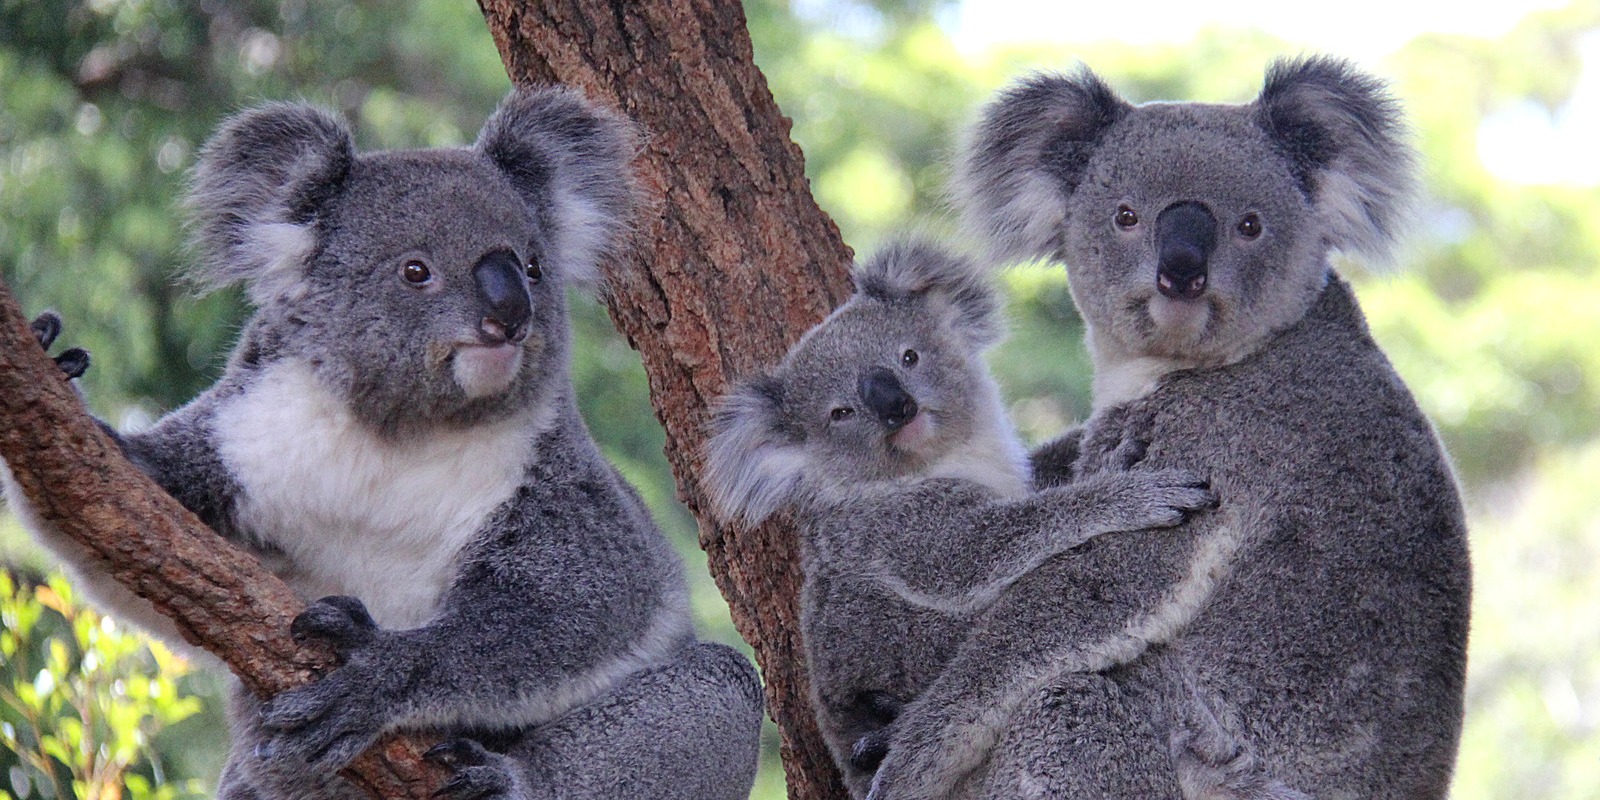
column 102, row 105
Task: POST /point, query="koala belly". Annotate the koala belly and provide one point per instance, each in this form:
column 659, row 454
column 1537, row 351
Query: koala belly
column 335, row 509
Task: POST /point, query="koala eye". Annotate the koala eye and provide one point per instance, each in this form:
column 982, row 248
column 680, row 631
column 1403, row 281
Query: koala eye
column 908, row 358
column 535, row 273
column 841, row 413
column 1250, row 226
column 1126, row 217
column 416, row 273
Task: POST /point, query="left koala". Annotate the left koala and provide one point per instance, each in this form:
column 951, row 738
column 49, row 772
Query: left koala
column 396, row 433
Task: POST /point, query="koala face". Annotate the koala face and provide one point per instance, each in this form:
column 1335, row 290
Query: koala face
column 887, row 385
column 426, row 287
column 881, row 389
column 1190, row 232
column 1189, row 244
column 441, row 264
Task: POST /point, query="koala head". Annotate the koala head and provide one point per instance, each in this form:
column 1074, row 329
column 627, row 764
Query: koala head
column 1190, row 232
column 890, row 383
column 424, row 286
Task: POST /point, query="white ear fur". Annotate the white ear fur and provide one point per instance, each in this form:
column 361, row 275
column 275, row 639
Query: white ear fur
column 1025, row 155
column 753, row 467
column 570, row 160
column 1346, row 137
column 916, row 268
column 255, row 193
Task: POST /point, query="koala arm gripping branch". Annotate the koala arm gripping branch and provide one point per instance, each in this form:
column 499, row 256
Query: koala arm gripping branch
column 568, row 590
column 952, row 549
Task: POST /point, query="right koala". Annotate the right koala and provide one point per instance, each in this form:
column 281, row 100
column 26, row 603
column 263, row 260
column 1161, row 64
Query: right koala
column 886, row 434
column 1323, row 627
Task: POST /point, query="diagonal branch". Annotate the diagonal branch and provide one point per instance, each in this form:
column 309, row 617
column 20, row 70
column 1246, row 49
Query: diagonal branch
column 222, row 599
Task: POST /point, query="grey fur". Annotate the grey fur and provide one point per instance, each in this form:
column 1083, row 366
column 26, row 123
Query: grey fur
column 1311, row 636
column 417, row 446
column 907, row 543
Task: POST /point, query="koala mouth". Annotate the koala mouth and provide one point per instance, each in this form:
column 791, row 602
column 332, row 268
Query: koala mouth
column 913, row 434
column 485, row 369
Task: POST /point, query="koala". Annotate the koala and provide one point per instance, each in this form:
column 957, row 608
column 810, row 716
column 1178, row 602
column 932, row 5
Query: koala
column 395, row 433
column 1319, row 619
column 884, row 432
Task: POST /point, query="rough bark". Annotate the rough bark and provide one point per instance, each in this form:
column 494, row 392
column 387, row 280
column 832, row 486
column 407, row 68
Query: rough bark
column 734, row 261
column 222, row 599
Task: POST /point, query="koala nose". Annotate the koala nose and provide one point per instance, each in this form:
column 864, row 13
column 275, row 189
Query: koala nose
column 504, row 293
column 882, row 393
column 1186, row 232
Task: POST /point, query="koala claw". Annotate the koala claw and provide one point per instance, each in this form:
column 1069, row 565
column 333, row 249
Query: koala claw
column 338, row 620
column 73, row 362
column 46, row 327
column 477, row 774
column 1172, row 495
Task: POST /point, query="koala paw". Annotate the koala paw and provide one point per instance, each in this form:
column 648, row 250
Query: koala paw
column 882, row 708
column 870, row 750
column 1130, row 453
column 74, row 361
column 1158, row 498
column 930, row 752
column 475, row 773
column 338, row 620
column 328, row 722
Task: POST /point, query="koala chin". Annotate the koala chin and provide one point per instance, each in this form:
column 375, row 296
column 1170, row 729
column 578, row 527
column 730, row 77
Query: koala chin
column 396, row 436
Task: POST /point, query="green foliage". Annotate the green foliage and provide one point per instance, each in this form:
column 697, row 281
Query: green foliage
column 82, row 701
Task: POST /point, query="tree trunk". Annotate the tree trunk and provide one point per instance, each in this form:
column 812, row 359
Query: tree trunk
column 733, row 263
column 221, row 598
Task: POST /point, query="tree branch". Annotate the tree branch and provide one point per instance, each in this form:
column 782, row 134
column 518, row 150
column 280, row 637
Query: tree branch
column 734, row 264
column 222, row 599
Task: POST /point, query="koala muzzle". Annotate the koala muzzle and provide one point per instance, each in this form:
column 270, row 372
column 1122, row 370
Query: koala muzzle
column 503, row 290
column 882, row 393
column 1186, row 233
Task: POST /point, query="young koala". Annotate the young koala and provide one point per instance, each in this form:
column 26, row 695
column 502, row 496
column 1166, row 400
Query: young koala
column 885, row 433
column 1321, row 620
column 396, row 434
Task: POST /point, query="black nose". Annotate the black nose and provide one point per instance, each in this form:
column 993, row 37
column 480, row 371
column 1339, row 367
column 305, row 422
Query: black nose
column 507, row 308
column 882, row 393
column 1186, row 232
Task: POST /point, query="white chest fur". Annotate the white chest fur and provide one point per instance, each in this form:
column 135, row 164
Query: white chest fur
column 357, row 515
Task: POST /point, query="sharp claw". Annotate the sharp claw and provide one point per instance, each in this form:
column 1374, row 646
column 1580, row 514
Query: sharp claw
column 441, row 753
column 46, row 327
column 449, row 787
column 74, row 362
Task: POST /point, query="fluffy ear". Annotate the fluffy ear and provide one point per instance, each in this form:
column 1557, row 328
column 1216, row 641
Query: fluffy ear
column 919, row 269
column 1026, row 154
column 1347, row 141
column 570, row 161
column 754, row 462
column 255, row 193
